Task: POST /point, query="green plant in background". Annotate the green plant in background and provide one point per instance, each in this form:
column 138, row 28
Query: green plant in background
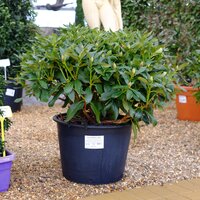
column 134, row 13
column 16, row 30
column 7, row 122
column 2, row 90
column 196, row 73
column 79, row 19
column 174, row 22
column 103, row 77
column 188, row 74
column 190, row 69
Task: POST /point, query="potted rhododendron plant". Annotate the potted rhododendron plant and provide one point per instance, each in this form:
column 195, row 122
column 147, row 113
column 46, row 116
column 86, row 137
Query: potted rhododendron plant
column 109, row 82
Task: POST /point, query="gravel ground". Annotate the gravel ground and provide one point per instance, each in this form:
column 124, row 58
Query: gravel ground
column 166, row 153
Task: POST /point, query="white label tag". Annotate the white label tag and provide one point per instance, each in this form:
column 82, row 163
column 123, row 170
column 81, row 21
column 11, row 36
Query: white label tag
column 7, row 112
column 4, row 62
column 10, row 92
column 94, row 142
column 182, row 99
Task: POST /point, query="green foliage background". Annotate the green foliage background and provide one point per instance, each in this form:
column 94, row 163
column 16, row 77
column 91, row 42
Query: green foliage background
column 79, row 19
column 175, row 22
column 16, row 30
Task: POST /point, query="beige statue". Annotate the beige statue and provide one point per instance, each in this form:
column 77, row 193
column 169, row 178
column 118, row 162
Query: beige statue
column 105, row 12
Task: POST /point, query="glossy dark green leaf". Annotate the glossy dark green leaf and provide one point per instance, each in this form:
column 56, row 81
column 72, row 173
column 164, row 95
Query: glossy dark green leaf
column 55, row 98
column 43, row 84
column 107, row 95
column 141, row 70
column 129, row 94
column 78, row 87
column 73, row 109
column 44, row 96
column 99, row 88
column 18, row 100
column 139, row 95
column 96, row 111
column 68, row 88
column 115, row 110
column 88, row 95
column 71, row 96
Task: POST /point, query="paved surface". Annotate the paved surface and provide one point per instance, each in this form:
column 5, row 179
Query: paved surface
column 183, row 190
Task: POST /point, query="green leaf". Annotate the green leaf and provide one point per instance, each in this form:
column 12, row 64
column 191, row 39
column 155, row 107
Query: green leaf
column 116, row 93
column 55, row 97
column 88, row 95
column 143, row 80
column 105, row 65
column 151, row 117
column 115, row 110
column 125, row 105
column 78, row 87
column 139, row 95
column 107, row 95
column 131, row 112
column 43, row 84
column 68, row 88
column 141, row 70
column 73, row 109
column 129, row 94
column 99, row 88
column 18, row 100
column 138, row 114
column 71, row 95
column 135, row 128
column 37, row 92
column 84, row 76
column 96, row 111
column 44, row 96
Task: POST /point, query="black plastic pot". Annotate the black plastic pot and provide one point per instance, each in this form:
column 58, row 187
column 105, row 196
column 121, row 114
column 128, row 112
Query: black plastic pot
column 13, row 92
column 93, row 154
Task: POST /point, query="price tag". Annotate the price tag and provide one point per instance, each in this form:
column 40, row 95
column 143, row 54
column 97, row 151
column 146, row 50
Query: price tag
column 7, row 112
column 10, row 92
column 94, row 142
column 182, row 99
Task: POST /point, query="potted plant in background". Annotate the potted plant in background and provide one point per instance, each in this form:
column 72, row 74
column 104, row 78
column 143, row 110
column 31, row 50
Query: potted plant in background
column 17, row 31
column 188, row 95
column 109, row 82
column 13, row 91
column 6, row 157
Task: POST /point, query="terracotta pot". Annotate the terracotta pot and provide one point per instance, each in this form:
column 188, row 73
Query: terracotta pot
column 187, row 107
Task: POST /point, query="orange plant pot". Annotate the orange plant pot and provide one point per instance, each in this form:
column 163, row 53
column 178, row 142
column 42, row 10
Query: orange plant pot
column 187, row 107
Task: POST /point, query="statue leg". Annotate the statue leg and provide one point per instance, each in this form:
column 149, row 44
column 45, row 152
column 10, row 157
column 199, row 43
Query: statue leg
column 108, row 17
column 116, row 4
column 91, row 13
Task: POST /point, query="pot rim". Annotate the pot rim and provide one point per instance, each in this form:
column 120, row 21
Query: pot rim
column 187, row 88
column 8, row 158
column 101, row 126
